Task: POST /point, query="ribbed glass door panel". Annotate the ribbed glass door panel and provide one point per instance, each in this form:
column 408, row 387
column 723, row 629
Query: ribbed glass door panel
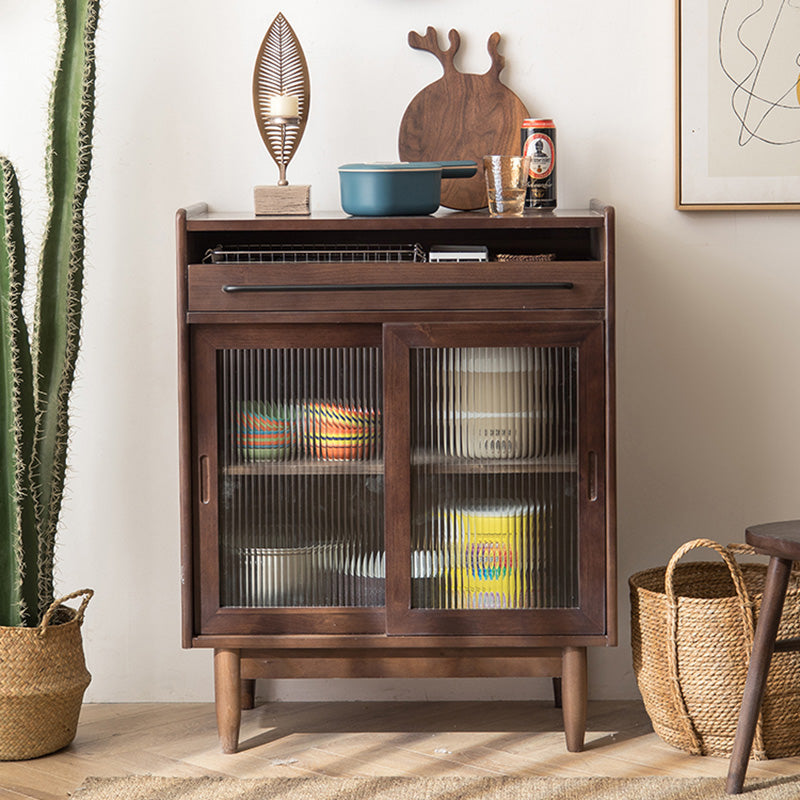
column 494, row 478
column 301, row 477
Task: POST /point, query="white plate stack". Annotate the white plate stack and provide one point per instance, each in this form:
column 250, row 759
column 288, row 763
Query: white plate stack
column 496, row 402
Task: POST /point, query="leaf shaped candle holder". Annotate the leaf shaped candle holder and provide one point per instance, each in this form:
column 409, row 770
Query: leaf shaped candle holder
column 281, row 93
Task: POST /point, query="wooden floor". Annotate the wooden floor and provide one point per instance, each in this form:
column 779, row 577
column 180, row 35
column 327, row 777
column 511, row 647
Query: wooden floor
column 349, row 739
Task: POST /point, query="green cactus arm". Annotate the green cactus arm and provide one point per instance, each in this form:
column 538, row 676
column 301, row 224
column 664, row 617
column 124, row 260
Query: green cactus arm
column 57, row 317
column 18, row 577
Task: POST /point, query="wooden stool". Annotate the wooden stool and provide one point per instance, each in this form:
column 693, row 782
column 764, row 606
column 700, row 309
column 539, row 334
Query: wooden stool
column 780, row 541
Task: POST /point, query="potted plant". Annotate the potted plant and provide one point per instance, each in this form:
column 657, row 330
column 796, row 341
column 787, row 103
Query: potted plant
column 42, row 670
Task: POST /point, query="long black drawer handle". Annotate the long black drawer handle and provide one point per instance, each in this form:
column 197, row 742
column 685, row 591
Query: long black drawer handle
column 395, row 287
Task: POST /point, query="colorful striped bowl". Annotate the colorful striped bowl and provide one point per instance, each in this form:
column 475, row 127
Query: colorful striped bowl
column 264, row 431
column 340, row 433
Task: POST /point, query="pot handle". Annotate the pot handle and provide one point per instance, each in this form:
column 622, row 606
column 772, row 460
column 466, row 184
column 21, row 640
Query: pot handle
column 87, row 596
column 458, row 169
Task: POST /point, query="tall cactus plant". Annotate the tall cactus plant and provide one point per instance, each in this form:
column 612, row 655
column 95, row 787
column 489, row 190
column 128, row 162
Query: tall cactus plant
column 38, row 371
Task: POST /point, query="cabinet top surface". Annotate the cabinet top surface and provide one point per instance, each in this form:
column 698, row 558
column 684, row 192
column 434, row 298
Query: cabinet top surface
column 200, row 218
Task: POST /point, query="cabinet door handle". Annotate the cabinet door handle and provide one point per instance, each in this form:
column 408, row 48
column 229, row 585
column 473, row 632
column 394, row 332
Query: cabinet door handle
column 205, row 481
column 593, row 478
column 394, row 287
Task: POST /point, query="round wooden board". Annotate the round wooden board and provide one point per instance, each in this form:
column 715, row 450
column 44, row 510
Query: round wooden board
column 461, row 116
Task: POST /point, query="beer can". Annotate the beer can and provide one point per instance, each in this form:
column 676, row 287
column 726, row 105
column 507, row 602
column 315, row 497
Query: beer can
column 538, row 141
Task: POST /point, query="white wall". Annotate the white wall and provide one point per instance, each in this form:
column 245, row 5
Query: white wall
column 709, row 329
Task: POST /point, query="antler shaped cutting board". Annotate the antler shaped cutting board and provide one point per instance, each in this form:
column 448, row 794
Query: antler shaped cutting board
column 461, row 116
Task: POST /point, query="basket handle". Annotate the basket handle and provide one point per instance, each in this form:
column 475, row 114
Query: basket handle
column 748, row 626
column 727, row 557
column 87, row 596
column 742, row 549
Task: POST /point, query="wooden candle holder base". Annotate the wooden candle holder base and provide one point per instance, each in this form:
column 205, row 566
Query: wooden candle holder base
column 276, row 200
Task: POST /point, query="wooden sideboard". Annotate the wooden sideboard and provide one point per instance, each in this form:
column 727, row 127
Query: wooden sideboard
column 391, row 466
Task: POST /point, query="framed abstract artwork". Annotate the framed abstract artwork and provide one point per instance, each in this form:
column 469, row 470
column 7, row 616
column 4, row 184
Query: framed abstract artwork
column 737, row 104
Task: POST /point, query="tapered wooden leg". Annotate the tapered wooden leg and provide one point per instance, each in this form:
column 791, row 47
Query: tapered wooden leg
column 248, row 696
column 574, row 696
column 557, row 692
column 769, row 618
column 228, row 698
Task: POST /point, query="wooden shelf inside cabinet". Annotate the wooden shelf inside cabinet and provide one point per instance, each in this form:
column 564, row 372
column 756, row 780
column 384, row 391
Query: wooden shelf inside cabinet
column 412, row 340
column 307, row 467
column 435, row 462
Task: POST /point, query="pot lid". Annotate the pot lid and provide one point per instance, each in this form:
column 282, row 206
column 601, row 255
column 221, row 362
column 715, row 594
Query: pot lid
column 409, row 166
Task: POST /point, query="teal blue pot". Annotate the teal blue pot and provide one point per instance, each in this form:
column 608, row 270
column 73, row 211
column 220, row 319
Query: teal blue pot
column 397, row 189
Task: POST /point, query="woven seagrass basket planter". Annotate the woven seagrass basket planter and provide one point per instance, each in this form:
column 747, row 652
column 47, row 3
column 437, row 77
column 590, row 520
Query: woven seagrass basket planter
column 42, row 680
column 692, row 628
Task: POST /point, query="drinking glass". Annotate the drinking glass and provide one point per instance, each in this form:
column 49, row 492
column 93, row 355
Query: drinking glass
column 506, row 184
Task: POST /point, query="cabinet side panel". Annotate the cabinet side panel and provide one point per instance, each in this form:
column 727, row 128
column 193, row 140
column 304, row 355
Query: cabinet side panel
column 184, row 434
column 611, row 425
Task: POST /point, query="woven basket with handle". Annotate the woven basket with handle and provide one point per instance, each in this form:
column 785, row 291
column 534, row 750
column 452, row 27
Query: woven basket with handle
column 692, row 628
column 42, row 680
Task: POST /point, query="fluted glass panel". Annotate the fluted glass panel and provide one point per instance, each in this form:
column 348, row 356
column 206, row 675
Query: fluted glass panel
column 301, row 477
column 494, row 478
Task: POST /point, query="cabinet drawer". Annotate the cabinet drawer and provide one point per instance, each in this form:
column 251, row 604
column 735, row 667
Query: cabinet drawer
column 368, row 287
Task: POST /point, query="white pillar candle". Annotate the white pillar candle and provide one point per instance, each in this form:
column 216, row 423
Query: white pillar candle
column 283, row 105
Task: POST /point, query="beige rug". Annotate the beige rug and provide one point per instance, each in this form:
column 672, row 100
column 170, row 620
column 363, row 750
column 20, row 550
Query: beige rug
column 151, row 788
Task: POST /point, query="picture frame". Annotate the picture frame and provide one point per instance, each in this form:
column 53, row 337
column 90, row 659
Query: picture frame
column 737, row 121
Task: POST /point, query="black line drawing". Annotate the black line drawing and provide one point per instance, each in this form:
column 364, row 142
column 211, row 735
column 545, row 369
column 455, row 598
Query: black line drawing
column 759, row 52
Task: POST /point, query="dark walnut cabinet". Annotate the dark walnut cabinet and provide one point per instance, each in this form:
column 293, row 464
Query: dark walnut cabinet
column 397, row 460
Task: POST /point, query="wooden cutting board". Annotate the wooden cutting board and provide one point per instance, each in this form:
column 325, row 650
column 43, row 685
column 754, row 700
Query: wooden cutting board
column 461, row 116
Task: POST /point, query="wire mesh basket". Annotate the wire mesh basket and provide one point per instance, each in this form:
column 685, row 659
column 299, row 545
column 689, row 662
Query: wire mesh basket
column 290, row 253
